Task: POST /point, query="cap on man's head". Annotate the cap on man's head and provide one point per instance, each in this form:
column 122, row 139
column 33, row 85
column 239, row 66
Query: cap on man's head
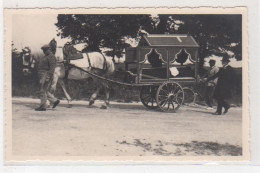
column 26, row 49
column 46, row 46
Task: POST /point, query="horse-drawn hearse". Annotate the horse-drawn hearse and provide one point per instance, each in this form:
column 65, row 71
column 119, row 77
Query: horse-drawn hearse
column 161, row 65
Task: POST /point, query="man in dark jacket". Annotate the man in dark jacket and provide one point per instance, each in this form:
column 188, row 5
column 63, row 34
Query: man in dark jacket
column 223, row 90
column 46, row 67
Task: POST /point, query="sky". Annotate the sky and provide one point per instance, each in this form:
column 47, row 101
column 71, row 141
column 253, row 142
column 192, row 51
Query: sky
column 36, row 30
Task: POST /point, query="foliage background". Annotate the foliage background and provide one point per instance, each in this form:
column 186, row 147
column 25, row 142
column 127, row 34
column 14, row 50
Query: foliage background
column 216, row 34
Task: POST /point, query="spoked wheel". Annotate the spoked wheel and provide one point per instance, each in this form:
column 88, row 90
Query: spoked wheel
column 148, row 96
column 189, row 95
column 170, row 96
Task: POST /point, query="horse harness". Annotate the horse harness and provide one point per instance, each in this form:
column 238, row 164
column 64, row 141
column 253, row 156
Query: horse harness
column 104, row 70
column 99, row 71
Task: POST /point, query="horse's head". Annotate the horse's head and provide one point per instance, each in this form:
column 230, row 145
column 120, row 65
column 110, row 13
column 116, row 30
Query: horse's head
column 69, row 51
column 28, row 61
column 26, row 56
column 53, row 45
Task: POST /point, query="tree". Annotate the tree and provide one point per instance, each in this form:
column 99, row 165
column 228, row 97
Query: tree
column 216, row 34
column 117, row 50
column 100, row 31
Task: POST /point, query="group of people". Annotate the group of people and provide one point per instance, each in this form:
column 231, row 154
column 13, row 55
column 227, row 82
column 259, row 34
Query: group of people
column 219, row 85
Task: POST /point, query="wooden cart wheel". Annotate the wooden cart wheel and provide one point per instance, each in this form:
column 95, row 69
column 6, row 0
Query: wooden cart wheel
column 148, row 96
column 169, row 96
column 189, row 95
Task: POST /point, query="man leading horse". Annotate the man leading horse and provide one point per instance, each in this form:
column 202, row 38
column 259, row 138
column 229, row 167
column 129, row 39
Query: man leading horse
column 46, row 67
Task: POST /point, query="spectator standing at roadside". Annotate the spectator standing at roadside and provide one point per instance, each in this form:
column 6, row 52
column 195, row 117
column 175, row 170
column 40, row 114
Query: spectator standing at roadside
column 211, row 84
column 223, row 90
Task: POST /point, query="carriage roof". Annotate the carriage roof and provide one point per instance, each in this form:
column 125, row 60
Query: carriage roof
column 168, row 40
column 174, row 44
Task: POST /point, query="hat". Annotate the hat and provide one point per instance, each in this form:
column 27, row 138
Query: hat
column 212, row 61
column 225, row 59
column 26, row 49
column 45, row 46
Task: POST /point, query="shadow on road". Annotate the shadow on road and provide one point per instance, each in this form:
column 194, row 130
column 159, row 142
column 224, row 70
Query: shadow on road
column 192, row 148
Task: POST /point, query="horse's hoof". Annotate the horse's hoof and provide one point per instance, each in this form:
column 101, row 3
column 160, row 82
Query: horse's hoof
column 69, row 106
column 103, row 107
column 91, row 102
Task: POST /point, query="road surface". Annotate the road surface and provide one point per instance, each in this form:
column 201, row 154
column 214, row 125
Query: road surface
column 125, row 129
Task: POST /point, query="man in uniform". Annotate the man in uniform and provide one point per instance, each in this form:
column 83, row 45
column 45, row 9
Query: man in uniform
column 46, row 67
column 210, row 85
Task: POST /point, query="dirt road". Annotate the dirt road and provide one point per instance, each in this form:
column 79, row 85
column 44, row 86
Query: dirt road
column 125, row 129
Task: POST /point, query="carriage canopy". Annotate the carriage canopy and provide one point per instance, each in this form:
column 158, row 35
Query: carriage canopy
column 156, row 53
column 175, row 43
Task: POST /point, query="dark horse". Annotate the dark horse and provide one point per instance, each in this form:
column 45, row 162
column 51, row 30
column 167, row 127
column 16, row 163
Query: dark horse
column 23, row 66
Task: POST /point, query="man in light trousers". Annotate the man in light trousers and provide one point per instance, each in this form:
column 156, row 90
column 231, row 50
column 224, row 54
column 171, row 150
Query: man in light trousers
column 210, row 85
column 46, row 67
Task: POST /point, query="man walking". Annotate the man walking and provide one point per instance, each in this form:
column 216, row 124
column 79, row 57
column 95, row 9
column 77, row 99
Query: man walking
column 211, row 84
column 46, row 66
column 223, row 89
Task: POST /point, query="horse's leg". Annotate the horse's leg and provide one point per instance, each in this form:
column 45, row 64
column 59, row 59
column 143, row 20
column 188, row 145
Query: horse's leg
column 54, row 82
column 94, row 96
column 106, row 90
column 63, row 86
column 107, row 94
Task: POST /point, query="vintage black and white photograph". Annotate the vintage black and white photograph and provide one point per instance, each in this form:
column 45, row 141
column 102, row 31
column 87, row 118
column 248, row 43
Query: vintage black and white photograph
column 125, row 84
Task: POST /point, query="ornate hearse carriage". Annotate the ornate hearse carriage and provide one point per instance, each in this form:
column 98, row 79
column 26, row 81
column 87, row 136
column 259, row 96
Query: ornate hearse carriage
column 163, row 63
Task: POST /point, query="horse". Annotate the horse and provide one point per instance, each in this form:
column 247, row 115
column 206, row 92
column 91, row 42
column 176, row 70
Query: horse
column 17, row 66
column 23, row 66
column 93, row 62
column 28, row 61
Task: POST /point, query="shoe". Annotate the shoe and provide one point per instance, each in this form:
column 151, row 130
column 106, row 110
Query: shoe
column 209, row 108
column 91, row 102
column 55, row 104
column 40, row 109
column 216, row 113
column 226, row 109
